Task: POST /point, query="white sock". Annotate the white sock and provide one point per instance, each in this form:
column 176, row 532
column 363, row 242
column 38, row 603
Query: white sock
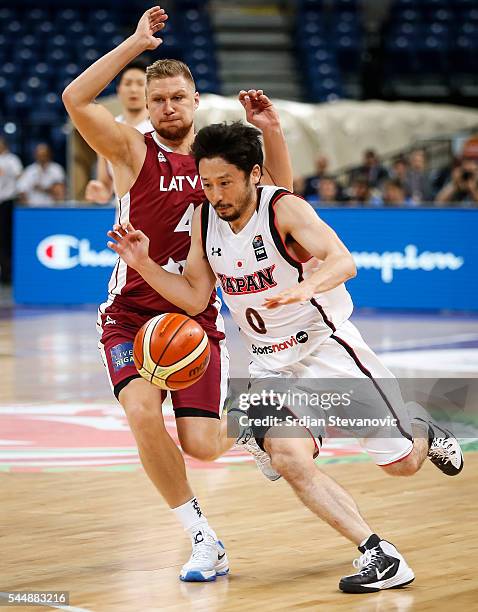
column 190, row 514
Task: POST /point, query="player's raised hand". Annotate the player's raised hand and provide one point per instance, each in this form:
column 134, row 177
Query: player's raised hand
column 151, row 22
column 300, row 293
column 131, row 245
column 260, row 111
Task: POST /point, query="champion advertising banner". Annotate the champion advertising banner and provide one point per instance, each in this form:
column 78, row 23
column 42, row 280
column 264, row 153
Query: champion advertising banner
column 406, row 259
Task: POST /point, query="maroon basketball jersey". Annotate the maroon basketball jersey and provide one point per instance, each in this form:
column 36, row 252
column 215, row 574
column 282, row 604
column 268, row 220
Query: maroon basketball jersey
column 161, row 204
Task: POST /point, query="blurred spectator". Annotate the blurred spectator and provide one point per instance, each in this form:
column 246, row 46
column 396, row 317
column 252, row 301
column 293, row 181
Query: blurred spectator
column 394, row 194
column 299, row 185
column 43, row 182
column 371, row 169
column 470, row 147
column 417, row 182
column 399, row 169
column 441, row 176
column 361, row 194
column 10, row 170
column 312, row 182
column 463, row 187
column 328, row 192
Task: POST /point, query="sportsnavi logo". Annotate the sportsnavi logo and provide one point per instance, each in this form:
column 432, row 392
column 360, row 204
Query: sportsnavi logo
column 63, row 252
column 300, row 338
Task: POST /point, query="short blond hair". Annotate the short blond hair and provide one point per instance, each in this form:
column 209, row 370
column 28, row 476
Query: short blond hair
column 164, row 68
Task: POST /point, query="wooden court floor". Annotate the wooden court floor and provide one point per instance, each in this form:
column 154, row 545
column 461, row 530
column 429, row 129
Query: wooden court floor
column 109, row 539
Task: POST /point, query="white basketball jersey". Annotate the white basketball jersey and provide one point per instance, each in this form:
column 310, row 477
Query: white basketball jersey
column 143, row 126
column 255, row 264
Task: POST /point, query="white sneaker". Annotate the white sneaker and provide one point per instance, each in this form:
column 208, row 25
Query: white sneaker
column 247, row 441
column 445, row 452
column 262, row 459
column 208, row 558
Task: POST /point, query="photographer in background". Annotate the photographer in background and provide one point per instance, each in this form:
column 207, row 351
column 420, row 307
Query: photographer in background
column 463, row 187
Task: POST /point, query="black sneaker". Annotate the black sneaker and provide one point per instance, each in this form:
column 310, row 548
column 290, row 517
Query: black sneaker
column 380, row 567
column 444, row 452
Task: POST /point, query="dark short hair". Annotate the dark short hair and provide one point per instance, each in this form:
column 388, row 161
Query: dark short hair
column 136, row 64
column 235, row 143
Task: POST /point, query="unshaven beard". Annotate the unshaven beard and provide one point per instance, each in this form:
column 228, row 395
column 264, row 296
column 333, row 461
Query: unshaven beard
column 240, row 208
column 174, row 134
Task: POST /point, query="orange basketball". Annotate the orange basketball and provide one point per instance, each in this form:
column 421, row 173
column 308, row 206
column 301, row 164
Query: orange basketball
column 171, row 351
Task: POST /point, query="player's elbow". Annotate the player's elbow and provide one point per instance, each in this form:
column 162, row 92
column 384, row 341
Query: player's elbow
column 195, row 308
column 351, row 268
column 67, row 97
column 70, row 96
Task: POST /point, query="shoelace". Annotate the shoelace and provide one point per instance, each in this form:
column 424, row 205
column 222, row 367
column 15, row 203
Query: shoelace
column 439, row 454
column 364, row 560
column 258, row 453
column 439, row 451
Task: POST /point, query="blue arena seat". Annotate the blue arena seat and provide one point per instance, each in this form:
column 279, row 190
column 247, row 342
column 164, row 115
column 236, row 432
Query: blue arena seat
column 18, row 104
column 44, row 28
column 74, row 30
column 106, row 28
column 35, row 86
column 24, row 58
column 8, row 70
column 66, row 16
column 29, row 41
column 5, row 88
column 100, row 16
column 13, row 27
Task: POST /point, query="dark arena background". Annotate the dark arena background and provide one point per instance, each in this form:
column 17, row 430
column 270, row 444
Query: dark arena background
column 377, row 99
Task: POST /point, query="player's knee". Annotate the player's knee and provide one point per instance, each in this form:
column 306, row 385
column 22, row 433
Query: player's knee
column 405, row 467
column 287, row 462
column 143, row 417
column 200, row 449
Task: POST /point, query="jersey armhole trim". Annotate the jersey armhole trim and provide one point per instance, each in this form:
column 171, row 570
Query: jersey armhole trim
column 276, row 235
column 204, row 224
column 282, row 248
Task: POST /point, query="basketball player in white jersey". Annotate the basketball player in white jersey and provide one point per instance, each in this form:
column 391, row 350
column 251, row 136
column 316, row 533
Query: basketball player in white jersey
column 130, row 92
column 282, row 270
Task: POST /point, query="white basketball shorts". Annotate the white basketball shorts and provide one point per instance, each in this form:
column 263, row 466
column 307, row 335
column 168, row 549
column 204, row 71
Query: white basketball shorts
column 345, row 355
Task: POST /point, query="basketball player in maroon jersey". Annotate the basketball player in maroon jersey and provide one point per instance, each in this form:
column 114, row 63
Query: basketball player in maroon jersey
column 158, row 188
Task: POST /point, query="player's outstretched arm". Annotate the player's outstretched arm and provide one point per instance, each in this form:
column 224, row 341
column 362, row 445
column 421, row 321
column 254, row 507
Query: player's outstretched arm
column 97, row 125
column 296, row 218
column 262, row 114
column 190, row 291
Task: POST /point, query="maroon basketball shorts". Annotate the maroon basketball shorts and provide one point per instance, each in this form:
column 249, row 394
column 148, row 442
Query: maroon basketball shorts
column 204, row 398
